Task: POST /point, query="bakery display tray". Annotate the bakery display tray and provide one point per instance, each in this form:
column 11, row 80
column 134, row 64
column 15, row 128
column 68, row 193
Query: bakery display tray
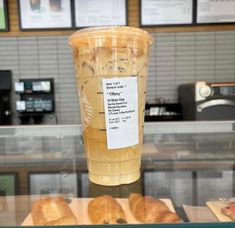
column 199, row 214
column 215, row 207
column 79, row 207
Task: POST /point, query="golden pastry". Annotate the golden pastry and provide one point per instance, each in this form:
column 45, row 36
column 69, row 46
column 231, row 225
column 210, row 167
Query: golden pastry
column 147, row 209
column 106, row 210
column 52, row 211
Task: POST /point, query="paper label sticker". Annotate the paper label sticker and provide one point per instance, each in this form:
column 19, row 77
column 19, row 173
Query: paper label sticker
column 121, row 112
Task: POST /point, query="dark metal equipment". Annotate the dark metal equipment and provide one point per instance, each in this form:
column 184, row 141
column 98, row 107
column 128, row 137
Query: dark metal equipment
column 207, row 101
column 5, row 97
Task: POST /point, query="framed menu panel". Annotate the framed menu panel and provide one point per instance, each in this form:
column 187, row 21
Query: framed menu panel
column 3, row 16
column 162, row 12
column 100, row 13
column 45, row 14
column 219, row 11
column 8, row 184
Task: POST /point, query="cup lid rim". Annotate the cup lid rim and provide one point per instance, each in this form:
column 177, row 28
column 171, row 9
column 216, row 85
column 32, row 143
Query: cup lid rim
column 112, row 31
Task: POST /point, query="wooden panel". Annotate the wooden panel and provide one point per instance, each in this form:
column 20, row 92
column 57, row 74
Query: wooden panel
column 133, row 20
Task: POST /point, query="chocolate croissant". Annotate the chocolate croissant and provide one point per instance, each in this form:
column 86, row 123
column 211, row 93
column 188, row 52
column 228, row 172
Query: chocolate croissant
column 147, row 209
column 106, row 210
column 229, row 210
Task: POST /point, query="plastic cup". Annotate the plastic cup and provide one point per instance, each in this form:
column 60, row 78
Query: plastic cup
column 55, row 5
column 111, row 74
column 35, row 5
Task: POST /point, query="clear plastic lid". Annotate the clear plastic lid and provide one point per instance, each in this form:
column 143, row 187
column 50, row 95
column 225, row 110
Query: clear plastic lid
column 116, row 32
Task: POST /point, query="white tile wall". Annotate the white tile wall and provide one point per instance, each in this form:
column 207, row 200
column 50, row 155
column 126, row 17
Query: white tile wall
column 43, row 57
column 175, row 58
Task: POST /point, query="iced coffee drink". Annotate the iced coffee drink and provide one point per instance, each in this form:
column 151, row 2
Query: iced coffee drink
column 55, row 5
column 111, row 74
column 35, row 5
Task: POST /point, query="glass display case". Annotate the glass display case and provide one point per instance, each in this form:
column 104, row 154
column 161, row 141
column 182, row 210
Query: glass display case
column 187, row 165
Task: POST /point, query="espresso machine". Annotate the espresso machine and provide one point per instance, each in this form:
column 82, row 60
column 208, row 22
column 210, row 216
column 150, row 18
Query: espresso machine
column 5, row 97
column 207, row 100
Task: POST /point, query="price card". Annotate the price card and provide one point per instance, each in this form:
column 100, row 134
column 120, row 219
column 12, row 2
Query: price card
column 46, row 86
column 19, row 87
column 121, row 111
column 154, row 111
column 20, row 106
column 47, row 105
column 37, row 86
column 38, row 105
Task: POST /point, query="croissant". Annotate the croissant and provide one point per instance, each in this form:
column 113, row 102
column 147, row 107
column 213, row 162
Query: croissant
column 52, row 211
column 106, row 210
column 147, row 209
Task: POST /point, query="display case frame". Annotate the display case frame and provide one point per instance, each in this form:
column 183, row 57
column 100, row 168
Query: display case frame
column 169, row 147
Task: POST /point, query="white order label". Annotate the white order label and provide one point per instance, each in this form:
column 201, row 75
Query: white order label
column 121, row 112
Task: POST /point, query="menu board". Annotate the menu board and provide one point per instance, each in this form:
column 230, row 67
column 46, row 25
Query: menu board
column 219, row 11
column 43, row 14
column 3, row 16
column 166, row 12
column 100, row 13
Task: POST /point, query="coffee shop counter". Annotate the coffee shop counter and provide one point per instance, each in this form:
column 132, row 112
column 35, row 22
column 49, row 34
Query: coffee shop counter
column 189, row 165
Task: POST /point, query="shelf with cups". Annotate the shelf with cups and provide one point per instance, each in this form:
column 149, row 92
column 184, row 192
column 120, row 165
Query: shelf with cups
column 36, row 99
